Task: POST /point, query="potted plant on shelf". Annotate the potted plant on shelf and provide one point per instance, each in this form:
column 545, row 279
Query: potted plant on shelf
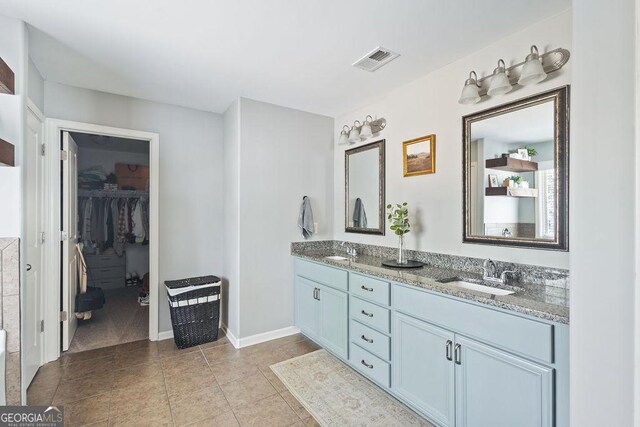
column 398, row 215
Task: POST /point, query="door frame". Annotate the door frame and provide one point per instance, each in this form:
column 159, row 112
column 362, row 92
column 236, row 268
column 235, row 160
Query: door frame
column 53, row 130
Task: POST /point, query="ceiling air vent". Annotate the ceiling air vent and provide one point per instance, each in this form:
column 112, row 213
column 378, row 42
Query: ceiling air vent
column 375, row 59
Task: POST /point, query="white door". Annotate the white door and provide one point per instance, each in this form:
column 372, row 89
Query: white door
column 32, row 303
column 69, row 228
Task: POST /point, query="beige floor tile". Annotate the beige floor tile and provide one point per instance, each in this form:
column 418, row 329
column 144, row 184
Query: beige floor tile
column 223, row 353
column 41, row 395
column 86, row 368
column 48, row 373
column 247, row 391
column 71, row 390
column 98, row 353
column 181, row 385
column 136, row 345
column 186, row 363
column 295, row 405
column 233, row 370
column 137, row 373
column 223, row 420
column 263, row 360
column 272, row 411
column 168, row 348
column 138, row 399
column 135, row 357
column 200, row 405
column 160, row 416
column 87, row 411
column 299, row 348
column 222, row 340
column 310, row 422
column 273, row 379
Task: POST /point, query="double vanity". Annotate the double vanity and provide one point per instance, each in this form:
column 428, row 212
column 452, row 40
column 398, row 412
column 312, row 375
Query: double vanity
column 458, row 351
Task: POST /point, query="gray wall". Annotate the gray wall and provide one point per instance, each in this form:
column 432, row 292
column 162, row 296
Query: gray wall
column 35, row 86
column 604, row 228
column 190, row 174
column 284, row 154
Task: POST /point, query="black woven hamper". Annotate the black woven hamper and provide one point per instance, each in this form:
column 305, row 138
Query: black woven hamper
column 195, row 314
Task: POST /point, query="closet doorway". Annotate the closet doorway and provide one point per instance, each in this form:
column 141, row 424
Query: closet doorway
column 107, row 249
column 105, row 209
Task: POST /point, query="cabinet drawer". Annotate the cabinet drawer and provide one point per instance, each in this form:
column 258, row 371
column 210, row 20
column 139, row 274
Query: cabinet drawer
column 98, row 261
column 368, row 288
column 370, row 314
column 97, row 273
column 370, row 365
column 371, row 340
column 325, row 275
column 525, row 336
column 113, row 283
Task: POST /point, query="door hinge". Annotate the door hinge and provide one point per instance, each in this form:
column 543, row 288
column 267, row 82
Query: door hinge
column 42, row 326
column 42, row 237
column 63, row 316
column 63, row 236
column 42, row 149
column 63, row 155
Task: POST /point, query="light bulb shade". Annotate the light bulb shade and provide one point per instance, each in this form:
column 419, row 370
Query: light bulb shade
column 354, row 135
column 344, row 138
column 532, row 71
column 365, row 132
column 500, row 83
column 470, row 93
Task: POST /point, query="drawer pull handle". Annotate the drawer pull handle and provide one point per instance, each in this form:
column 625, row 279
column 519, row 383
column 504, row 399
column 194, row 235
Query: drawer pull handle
column 369, row 340
column 364, row 288
column 366, row 314
column 456, row 355
column 448, row 349
column 366, row 364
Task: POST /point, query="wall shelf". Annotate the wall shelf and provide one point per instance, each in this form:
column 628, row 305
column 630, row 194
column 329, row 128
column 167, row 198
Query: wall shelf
column 511, row 192
column 7, row 79
column 512, row 165
column 7, row 153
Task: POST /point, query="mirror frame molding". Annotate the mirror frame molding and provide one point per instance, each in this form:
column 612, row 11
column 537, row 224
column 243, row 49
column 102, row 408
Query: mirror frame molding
column 380, row 145
column 560, row 97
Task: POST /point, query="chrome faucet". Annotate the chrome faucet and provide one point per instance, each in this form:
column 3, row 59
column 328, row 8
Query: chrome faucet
column 490, row 273
column 350, row 251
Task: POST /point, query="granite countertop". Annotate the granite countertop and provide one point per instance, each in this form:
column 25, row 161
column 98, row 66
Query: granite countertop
column 546, row 302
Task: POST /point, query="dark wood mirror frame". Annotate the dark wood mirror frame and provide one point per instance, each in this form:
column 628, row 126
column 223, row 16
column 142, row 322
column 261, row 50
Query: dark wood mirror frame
column 380, row 146
column 560, row 97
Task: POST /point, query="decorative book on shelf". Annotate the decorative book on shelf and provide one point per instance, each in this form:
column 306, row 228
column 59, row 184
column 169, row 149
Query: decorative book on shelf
column 512, row 165
column 7, row 79
column 7, row 153
column 511, row 192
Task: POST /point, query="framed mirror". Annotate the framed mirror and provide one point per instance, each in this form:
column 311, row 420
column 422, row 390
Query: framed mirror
column 516, row 173
column 364, row 189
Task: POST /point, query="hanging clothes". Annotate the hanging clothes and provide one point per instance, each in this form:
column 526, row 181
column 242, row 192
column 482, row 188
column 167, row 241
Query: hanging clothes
column 359, row 215
column 305, row 218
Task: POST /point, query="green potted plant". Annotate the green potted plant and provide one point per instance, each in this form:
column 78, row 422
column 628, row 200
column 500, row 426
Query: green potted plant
column 398, row 216
column 531, row 151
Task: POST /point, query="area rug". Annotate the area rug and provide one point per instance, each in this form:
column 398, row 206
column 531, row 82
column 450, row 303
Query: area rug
column 336, row 395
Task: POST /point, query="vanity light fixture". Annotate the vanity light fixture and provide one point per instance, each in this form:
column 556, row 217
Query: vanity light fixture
column 354, row 134
column 533, row 69
column 361, row 131
column 500, row 83
column 470, row 91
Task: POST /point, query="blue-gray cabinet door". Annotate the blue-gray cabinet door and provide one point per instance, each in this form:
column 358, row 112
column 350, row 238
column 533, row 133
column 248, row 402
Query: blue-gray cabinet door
column 334, row 320
column 495, row 388
column 306, row 306
column 423, row 369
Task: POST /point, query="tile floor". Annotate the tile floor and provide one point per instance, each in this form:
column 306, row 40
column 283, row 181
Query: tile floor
column 121, row 320
column 154, row 383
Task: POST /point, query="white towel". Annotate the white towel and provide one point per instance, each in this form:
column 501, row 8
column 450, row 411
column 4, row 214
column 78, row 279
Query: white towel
column 305, row 218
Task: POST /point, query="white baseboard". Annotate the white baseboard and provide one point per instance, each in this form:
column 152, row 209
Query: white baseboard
column 259, row 338
column 165, row 335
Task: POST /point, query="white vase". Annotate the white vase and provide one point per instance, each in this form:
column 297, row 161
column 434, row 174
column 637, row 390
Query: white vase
column 524, row 184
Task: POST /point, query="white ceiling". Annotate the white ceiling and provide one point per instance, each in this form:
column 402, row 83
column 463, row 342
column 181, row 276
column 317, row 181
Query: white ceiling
column 530, row 125
column 204, row 53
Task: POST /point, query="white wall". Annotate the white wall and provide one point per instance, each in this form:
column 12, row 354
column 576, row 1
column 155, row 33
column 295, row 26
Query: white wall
column 231, row 202
column 603, row 223
column 35, row 86
column 190, row 174
column 430, row 105
column 284, row 154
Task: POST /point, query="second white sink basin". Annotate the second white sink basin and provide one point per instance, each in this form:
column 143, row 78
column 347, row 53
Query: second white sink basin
column 479, row 288
column 336, row 258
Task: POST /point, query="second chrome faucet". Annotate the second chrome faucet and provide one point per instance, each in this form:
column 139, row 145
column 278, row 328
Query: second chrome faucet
column 490, row 273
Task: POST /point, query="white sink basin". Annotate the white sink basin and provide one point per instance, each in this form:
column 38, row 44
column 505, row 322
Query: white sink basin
column 336, row 258
column 479, row 288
